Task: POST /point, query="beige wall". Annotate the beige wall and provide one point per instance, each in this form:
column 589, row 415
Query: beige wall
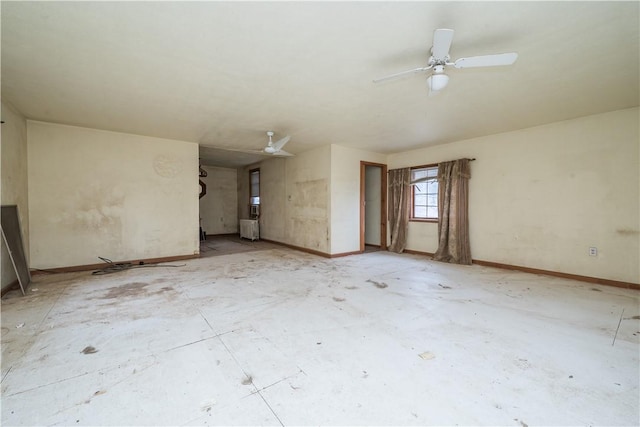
column 345, row 196
column 95, row 193
column 308, row 203
column 272, row 197
column 540, row 197
column 311, row 200
column 294, row 198
column 273, row 209
column 243, row 190
column 14, row 179
column 219, row 207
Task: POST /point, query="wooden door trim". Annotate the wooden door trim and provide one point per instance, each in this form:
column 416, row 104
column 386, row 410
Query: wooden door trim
column 383, row 203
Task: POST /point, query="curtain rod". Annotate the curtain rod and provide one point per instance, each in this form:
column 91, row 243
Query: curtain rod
column 433, row 165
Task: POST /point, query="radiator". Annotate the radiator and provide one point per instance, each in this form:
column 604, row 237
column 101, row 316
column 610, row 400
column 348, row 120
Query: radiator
column 249, row 229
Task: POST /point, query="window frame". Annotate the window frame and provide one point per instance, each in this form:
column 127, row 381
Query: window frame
column 251, row 196
column 412, row 217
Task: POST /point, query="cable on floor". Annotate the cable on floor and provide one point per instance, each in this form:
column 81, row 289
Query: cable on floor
column 113, row 267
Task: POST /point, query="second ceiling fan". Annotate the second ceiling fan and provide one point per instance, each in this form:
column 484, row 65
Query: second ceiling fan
column 275, row 148
column 440, row 59
column 272, row 148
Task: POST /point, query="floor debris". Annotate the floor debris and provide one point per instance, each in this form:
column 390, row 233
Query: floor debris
column 89, row 350
column 206, row 406
column 618, row 328
column 379, row 285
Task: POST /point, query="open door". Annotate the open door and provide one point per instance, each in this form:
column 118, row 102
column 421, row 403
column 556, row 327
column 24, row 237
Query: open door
column 373, row 205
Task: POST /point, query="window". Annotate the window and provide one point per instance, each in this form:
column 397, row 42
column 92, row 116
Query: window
column 424, row 194
column 254, row 184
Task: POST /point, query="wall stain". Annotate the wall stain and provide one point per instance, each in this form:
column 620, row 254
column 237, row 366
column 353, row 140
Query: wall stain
column 309, row 232
column 627, row 232
column 95, row 208
column 167, row 166
column 310, row 194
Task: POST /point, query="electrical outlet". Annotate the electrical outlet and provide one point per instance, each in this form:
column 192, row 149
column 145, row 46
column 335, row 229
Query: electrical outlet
column 593, row 251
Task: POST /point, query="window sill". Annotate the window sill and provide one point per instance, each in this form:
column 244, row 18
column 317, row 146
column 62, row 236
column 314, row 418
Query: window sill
column 434, row 220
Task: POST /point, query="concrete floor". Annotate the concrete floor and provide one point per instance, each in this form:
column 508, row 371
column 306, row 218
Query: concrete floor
column 279, row 337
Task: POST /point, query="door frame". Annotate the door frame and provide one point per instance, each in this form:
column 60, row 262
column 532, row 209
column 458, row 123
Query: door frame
column 383, row 203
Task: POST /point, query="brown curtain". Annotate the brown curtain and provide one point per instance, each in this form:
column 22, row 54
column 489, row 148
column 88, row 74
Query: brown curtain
column 399, row 197
column 453, row 212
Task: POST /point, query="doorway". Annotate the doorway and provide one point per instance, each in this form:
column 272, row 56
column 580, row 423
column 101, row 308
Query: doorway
column 373, row 206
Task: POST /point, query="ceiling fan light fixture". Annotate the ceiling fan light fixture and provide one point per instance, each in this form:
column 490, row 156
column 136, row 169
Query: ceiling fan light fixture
column 437, row 82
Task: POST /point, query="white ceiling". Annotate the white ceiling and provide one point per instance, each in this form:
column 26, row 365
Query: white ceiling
column 223, row 73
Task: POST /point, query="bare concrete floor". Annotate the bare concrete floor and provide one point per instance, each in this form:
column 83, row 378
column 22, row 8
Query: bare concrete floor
column 279, row 337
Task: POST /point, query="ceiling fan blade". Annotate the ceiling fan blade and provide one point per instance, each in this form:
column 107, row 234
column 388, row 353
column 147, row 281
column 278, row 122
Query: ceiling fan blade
column 277, row 146
column 263, row 152
column 283, row 153
column 487, row 60
column 402, row 74
column 442, row 39
column 239, row 150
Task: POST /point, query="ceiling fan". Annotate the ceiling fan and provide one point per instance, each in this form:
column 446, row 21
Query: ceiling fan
column 272, row 148
column 440, row 59
column 275, row 148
